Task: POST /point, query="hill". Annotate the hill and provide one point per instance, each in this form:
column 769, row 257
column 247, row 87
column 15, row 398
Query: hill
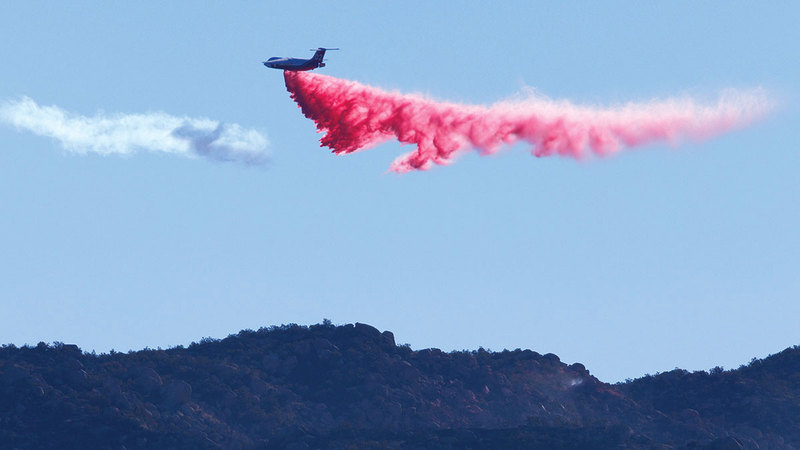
column 351, row 386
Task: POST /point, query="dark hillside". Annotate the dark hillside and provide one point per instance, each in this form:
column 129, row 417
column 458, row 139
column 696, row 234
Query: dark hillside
column 351, row 386
column 761, row 400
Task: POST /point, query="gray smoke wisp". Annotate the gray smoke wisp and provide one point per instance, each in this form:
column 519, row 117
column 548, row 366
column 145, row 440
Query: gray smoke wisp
column 125, row 134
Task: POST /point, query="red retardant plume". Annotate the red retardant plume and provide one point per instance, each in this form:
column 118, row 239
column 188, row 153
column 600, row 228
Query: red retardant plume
column 355, row 116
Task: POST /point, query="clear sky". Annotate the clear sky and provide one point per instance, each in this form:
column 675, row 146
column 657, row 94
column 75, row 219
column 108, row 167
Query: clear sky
column 659, row 257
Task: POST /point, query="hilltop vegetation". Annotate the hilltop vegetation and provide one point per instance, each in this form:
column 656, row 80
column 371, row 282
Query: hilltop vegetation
column 352, row 386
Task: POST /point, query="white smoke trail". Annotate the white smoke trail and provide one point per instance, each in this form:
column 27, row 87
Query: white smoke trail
column 128, row 133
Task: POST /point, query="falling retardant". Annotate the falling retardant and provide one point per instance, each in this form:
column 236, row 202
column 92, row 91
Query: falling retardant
column 356, row 116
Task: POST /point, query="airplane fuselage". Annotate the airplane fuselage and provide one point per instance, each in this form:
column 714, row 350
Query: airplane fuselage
column 298, row 64
column 295, row 64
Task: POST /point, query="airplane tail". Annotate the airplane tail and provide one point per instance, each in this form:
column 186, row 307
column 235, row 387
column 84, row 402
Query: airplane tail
column 319, row 54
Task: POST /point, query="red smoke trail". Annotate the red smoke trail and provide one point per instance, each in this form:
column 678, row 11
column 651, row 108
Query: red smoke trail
column 355, row 116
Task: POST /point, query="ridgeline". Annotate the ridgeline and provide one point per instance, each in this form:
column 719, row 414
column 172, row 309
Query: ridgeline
column 351, row 386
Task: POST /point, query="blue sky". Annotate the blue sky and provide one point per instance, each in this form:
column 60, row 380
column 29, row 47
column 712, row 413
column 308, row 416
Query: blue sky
column 659, row 257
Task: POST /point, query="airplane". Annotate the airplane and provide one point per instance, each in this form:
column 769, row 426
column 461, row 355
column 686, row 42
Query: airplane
column 297, row 64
